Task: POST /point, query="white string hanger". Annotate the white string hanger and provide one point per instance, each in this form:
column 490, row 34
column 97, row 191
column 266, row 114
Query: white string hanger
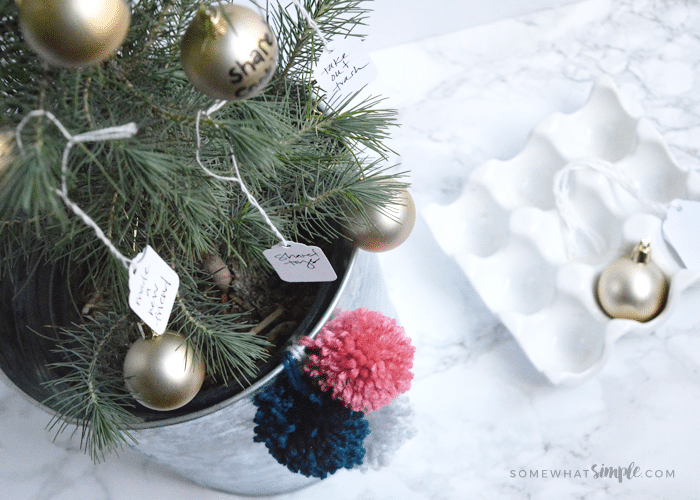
column 237, row 179
column 313, row 24
column 572, row 221
column 105, row 134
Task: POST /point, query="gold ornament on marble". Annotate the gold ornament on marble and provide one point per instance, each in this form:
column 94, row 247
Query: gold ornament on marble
column 633, row 288
column 385, row 228
column 164, row 372
column 74, row 33
column 229, row 61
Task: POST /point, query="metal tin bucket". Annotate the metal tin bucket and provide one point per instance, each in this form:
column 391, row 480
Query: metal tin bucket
column 214, row 446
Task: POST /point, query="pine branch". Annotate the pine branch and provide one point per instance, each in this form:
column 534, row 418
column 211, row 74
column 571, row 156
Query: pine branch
column 335, row 18
column 364, row 124
column 223, row 339
column 87, row 396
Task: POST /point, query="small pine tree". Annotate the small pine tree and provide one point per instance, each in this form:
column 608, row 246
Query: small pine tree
column 304, row 167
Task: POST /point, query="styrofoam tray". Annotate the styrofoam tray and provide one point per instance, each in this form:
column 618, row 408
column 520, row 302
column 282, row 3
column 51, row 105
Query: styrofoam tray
column 507, row 235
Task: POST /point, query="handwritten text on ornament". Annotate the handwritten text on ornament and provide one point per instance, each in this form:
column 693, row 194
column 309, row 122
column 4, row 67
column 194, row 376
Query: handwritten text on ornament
column 152, row 296
column 266, row 55
column 301, row 259
column 153, row 287
column 344, row 69
column 300, row 263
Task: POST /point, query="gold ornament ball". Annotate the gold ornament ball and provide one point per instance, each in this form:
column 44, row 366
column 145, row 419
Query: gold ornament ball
column 633, row 288
column 386, row 228
column 8, row 154
column 7, row 149
column 74, row 33
column 229, row 61
column 164, row 372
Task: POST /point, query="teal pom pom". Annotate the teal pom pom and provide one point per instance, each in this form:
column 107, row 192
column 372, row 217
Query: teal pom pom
column 305, row 429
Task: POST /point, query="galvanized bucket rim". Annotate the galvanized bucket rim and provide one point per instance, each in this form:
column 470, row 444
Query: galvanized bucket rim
column 244, row 394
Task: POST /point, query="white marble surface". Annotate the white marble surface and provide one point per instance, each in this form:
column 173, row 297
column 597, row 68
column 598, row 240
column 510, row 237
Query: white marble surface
column 393, row 22
column 483, row 414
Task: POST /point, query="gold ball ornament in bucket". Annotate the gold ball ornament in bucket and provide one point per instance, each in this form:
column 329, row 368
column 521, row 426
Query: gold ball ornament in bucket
column 8, row 153
column 633, row 288
column 7, row 149
column 229, row 52
column 164, row 372
column 74, row 33
column 384, row 229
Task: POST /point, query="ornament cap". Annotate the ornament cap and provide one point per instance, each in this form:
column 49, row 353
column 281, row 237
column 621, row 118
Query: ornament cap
column 642, row 252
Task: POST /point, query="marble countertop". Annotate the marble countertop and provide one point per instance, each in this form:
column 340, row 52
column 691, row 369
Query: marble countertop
column 488, row 425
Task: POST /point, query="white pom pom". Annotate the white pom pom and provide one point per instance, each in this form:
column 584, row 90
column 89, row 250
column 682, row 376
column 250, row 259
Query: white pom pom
column 390, row 427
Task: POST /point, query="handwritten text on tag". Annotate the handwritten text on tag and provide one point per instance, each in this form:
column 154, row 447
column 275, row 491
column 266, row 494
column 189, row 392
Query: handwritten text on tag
column 300, row 263
column 153, row 287
column 681, row 230
column 344, row 69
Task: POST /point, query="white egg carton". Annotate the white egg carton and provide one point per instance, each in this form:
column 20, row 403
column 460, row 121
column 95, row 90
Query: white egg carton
column 506, row 232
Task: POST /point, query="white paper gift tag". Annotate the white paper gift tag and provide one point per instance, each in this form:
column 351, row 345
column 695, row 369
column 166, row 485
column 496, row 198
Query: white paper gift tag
column 681, row 230
column 300, row 263
column 344, row 69
column 153, row 287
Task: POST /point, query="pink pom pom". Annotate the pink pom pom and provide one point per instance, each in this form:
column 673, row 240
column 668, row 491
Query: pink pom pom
column 363, row 356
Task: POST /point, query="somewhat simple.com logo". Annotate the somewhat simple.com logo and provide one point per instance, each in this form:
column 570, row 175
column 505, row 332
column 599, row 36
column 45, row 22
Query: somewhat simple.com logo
column 596, row 471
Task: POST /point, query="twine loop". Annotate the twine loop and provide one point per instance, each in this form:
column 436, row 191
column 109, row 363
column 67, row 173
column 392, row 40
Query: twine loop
column 237, row 179
column 105, row 134
column 571, row 219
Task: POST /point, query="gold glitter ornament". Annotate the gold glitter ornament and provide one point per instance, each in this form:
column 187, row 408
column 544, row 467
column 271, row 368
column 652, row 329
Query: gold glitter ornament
column 385, row 228
column 74, row 33
column 164, row 372
column 229, row 61
column 633, row 288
